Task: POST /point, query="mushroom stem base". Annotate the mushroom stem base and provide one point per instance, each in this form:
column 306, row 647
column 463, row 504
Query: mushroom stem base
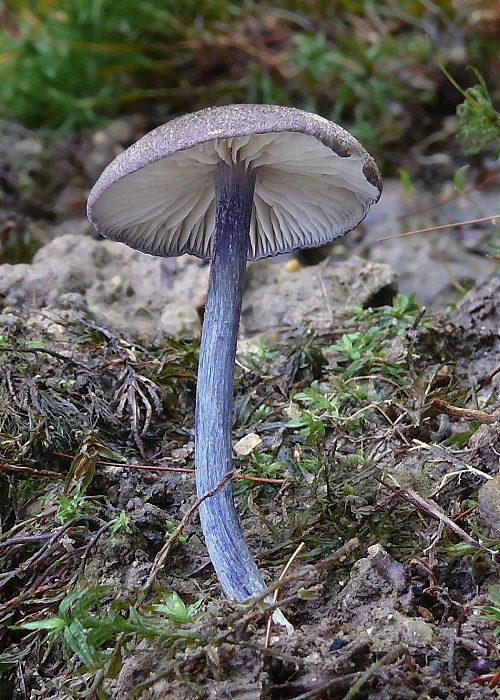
column 232, row 560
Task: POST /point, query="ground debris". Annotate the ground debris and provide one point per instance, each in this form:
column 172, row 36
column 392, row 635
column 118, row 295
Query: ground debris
column 350, row 455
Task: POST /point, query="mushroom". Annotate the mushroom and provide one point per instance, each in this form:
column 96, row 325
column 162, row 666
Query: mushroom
column 232, row 184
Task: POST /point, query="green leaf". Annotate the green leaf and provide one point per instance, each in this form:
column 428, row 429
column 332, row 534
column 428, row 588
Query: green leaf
column 404, row 177
column 461, row 549
column 174, row 608
column 176, row 611
column 457, row 179
column 76, row 638
column 54, row 623
column 122, row 522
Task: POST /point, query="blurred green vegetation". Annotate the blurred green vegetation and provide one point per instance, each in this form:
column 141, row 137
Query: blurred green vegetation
column 68, row 64
column 478, row 120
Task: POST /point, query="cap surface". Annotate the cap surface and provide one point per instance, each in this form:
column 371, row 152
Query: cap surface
column 314, row 181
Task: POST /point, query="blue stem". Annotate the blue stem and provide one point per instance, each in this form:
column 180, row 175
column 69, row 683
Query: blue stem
column 231, row 558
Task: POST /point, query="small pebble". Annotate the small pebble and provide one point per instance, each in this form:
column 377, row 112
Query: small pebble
column 247, row 444
column 489, row 506
column 338, row 644
column 292, row 265
column 180, row 453
column 417, row 632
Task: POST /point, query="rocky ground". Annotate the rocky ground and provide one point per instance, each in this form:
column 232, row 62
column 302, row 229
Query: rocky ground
column 394, row 489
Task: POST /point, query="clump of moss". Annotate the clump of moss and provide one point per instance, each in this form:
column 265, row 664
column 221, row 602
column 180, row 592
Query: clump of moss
column 52, row 400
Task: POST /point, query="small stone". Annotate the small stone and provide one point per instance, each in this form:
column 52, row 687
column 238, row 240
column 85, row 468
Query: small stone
column 247, row 444
column 417, row 632
column 338, row 644
column 489, row 506
column 292, row 265
column 425, row 613
column 180, row 453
